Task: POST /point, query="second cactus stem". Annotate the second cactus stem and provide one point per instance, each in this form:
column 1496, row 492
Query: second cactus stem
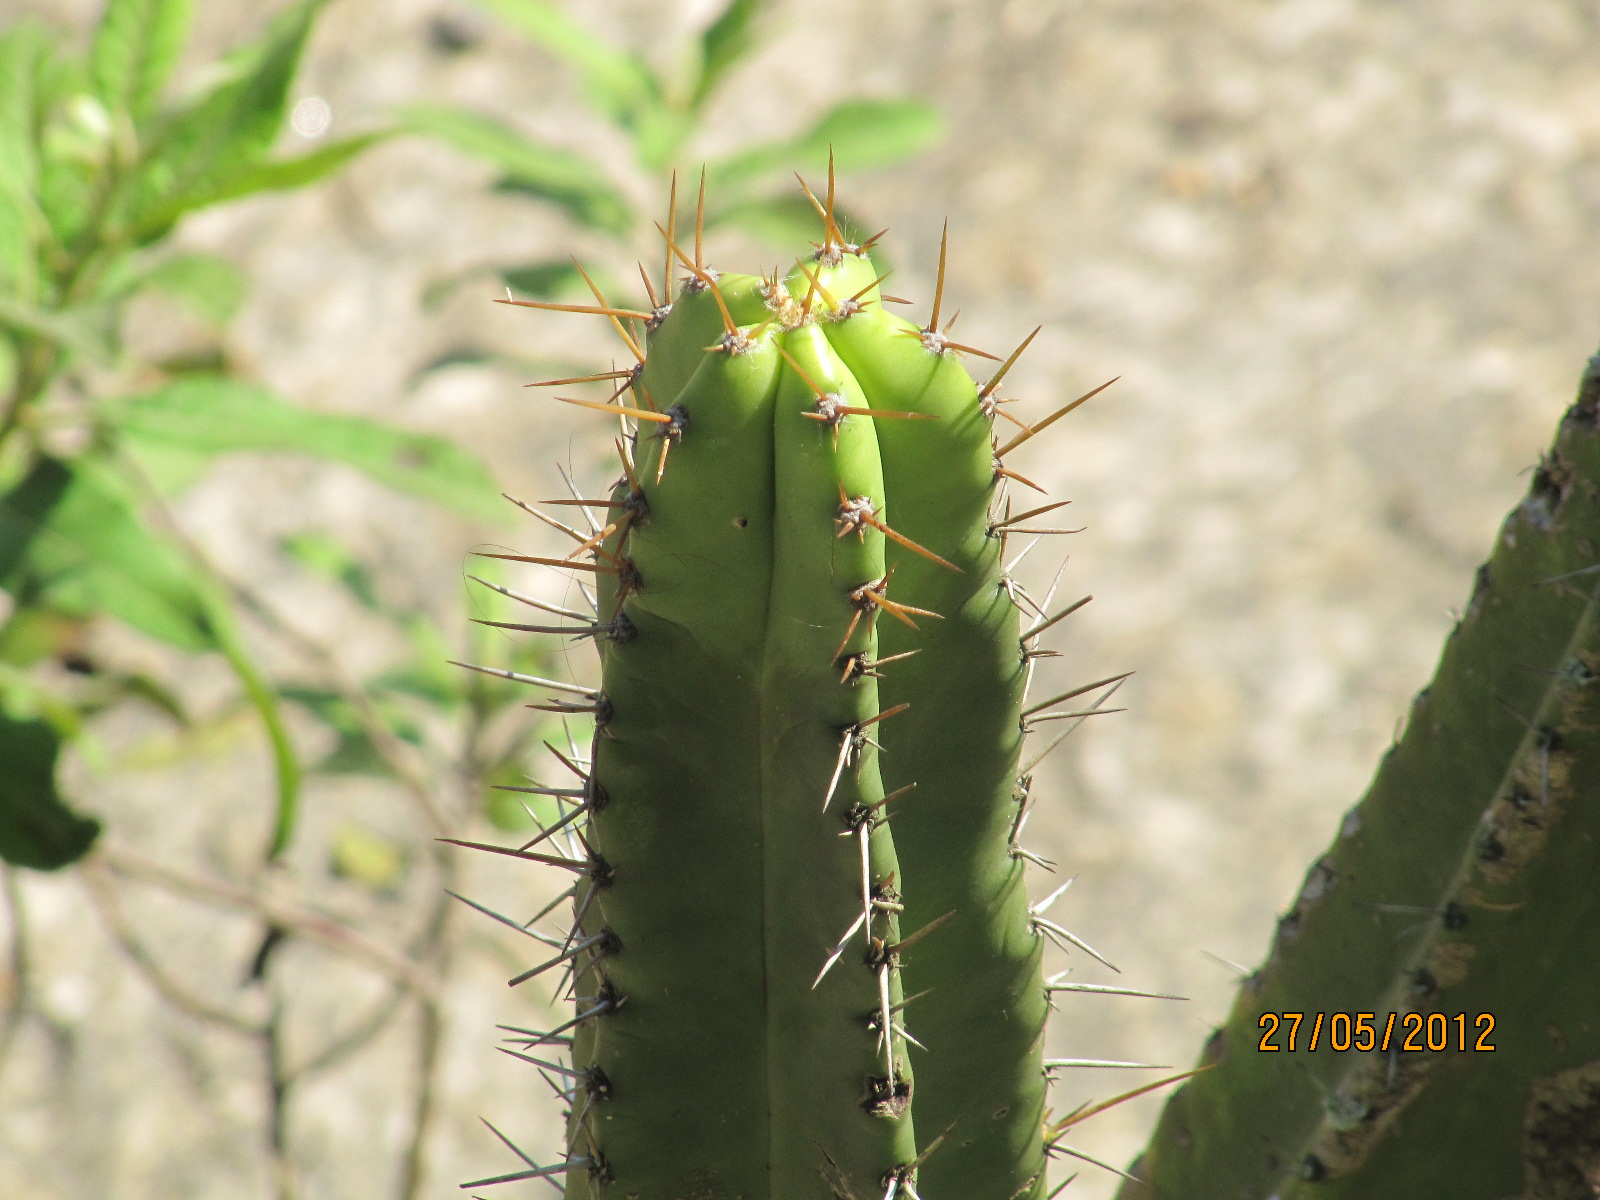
column 1425, row 1022
column 794, row 838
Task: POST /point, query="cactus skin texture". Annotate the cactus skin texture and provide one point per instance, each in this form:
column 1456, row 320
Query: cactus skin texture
column 1466, row 881
column 800, row 568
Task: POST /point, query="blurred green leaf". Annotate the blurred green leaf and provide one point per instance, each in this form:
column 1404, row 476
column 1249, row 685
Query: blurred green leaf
column 862, row 133
column 74, row 150
column 281, row 174
column 592, row 212
column 215, row 415
column 17, row 273
column 458, row 356
column 551, row 173
column 85, row 550
column 515, row 364
column 36, row 828
column 86, row 330
column 68, row 132
column 24, row 48
column 433, row 681
column 783, row 220
column 136, row 685
column 429, row 674
column 134, row 50
column 617, row 83
column 208, row 285
column 94, row 687
column 25, row 510
column 509, row 811
column 331, row 558
column 788, row 220
column 728, row 39
column 74, row 537
column 24, row 696
column 548, row 280
column 169, row 468
column 66, row 192
column 35, row 632
column 209, row 359
column 201, row 151
column 659, row 136
column 359, row 854
column 353, row 753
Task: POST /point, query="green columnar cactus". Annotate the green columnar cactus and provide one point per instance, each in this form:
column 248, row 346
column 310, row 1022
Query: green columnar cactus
column 800, row 567
column 1459, row 903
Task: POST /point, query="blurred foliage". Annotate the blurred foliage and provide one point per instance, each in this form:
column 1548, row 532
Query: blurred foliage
column 100, row 160
column 662, row 115
column 102, row 157
column 426, row 686
column 36, row 828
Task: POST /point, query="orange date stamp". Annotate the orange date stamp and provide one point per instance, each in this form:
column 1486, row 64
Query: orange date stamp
column 1408, row 1033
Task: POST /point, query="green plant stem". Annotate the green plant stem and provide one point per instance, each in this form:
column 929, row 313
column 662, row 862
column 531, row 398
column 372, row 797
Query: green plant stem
column 215, row 590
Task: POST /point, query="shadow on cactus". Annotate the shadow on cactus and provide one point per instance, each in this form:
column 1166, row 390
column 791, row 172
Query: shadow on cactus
column 801, row 959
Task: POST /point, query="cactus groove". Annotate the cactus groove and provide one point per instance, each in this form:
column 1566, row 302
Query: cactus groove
column 794, row 844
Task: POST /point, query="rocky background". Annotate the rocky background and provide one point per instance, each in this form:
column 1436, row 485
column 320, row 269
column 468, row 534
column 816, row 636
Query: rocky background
column 1342, row 255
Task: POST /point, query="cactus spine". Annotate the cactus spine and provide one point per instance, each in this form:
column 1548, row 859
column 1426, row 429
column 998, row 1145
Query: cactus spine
column 1463, row 884
column 800, row 567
